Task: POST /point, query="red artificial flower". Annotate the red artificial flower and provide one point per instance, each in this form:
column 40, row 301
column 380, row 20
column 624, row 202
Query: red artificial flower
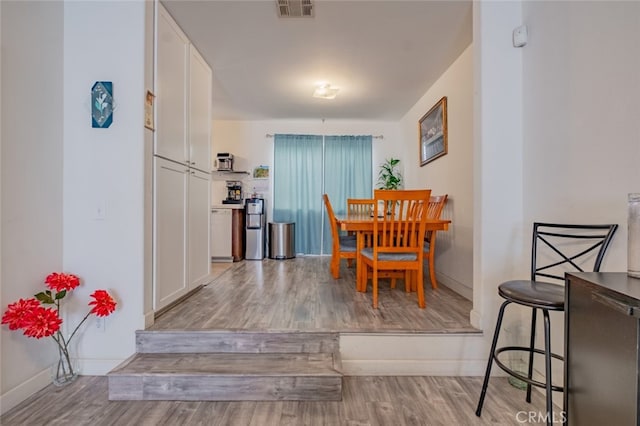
column 61, row 281
column 17, row 312
column 103, row 305
column 42, row 322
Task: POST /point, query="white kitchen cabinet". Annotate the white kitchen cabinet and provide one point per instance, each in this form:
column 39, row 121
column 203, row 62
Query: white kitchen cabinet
column 221, row 235
column 183, row 98
column 199, row 112
column 170, row 220
column 172, row 60
column 198, row 224
column 182, row 193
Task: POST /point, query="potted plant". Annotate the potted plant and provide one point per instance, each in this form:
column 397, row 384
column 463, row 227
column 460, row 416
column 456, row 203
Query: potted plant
column 389, row 176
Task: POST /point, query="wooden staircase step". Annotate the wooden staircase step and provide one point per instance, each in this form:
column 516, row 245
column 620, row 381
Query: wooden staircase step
column 227, row 377
column 240, row 341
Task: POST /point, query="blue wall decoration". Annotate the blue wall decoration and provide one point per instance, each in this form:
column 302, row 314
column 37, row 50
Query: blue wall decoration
column 102, row 104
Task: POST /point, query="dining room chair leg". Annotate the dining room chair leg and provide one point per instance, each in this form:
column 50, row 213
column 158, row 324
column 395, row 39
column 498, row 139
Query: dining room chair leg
column 335, row 266
column 432, row 272
column 375, row 288
column 420, row 288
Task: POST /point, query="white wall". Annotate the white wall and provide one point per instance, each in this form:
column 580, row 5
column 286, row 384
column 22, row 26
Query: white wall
column 248, row 142
column 451, row 174
column 32, row 67
column 581, row 86
column 581, row 129
column 105, row 167
column 498, row 230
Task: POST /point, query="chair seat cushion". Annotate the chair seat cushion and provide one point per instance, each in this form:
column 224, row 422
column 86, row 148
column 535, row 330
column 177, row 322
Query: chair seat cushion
column 348, row 243
column 536, row 294
column 368, row 253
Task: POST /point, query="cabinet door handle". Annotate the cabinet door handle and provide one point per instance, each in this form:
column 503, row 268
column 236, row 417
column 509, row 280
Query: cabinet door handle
column 616, row 305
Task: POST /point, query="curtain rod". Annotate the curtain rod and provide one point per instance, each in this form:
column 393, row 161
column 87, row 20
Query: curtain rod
column 269, row 135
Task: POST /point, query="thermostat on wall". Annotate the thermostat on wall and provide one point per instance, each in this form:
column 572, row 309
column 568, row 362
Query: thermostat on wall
column 520, row 36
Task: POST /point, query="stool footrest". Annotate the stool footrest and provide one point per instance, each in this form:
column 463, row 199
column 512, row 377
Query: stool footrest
column 520, row 376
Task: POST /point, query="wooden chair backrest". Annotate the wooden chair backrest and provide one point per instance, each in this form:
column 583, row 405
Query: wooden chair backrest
column 360, row 206
column 436, row 205
column 332, row 221
column 403, row 228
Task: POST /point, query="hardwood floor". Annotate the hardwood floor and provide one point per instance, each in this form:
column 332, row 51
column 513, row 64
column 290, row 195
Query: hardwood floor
column 384, row 401
column 300, row 294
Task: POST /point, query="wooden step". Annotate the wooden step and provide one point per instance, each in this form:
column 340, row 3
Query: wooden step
column 236, row 341
column 227, row 377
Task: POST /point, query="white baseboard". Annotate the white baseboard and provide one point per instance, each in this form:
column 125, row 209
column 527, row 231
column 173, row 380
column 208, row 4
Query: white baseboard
column 402, row 354
column 476, row 319
column 458, row 287
column 24, row 390
column 149, row 319
column 412, row 367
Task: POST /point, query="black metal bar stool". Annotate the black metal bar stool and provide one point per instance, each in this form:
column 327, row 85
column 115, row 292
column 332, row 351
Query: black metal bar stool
column 569, row 247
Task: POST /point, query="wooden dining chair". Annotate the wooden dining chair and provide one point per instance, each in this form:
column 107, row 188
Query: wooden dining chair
column 399, row 239
column 434, row 211
column 342, row 247
column 360, row 206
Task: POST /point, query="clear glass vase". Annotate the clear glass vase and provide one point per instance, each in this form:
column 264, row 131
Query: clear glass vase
column 65, row 370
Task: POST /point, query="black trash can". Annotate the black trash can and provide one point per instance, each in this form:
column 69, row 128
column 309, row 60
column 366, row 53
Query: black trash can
column 282, row 240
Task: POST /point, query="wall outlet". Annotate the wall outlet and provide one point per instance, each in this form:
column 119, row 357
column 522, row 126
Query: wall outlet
column 100, row 323
column 100, row 211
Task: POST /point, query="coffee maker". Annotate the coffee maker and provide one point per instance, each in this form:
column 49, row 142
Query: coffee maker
column 234, row 192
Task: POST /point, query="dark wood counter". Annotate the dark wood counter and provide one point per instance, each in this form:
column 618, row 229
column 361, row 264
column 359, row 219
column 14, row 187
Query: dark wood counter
column 237, row 234
column 602, row 311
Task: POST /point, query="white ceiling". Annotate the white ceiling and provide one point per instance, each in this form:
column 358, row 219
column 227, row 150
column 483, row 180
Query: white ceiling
column 383, row 55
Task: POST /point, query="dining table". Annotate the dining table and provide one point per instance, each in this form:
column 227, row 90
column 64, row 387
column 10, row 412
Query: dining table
column 362, row 224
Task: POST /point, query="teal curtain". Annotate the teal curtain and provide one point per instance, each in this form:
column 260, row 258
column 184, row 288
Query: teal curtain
column 347, row 174
column 305, row 167
column 297, row 183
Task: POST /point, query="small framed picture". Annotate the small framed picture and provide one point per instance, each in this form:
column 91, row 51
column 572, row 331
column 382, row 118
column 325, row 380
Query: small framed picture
column 261, row 172
column 432, row 129
column 148, row 110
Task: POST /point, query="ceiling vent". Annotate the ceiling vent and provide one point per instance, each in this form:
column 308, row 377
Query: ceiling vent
column 295, row 8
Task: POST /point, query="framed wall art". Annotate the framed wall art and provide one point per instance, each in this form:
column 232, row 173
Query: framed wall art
column 148, row 110
column 102, row 104
column 432, row 129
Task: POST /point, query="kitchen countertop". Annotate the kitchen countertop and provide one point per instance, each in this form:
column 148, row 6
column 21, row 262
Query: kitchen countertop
column 228, row 206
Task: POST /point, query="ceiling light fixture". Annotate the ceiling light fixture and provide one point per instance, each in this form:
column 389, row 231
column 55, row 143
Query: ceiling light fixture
column 325, row 91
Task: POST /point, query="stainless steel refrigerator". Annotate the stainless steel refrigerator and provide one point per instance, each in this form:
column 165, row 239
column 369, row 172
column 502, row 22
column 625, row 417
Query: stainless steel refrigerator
column 256, row 232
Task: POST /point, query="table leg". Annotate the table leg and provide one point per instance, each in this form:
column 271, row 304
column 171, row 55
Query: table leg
column 359, row 246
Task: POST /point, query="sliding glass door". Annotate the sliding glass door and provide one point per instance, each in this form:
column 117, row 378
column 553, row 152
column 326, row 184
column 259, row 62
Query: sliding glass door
column 307, row 166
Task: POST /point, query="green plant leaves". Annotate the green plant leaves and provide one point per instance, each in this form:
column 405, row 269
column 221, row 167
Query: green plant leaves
column 48, row 298
column 388, row 176
column 44, row 297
